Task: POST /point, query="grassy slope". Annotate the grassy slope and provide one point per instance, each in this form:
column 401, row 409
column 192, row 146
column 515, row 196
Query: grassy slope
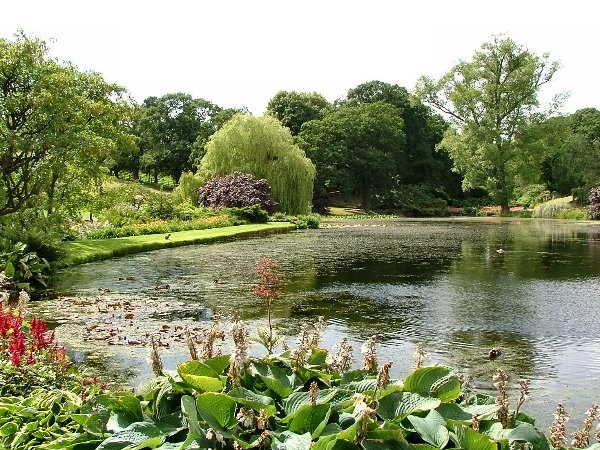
column 79, row 252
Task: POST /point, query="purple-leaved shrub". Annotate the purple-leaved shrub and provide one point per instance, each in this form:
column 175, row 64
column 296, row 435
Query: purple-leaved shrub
column 237, row 190
column 594, row 200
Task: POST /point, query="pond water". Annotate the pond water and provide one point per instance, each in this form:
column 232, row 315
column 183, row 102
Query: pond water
column 461, row 287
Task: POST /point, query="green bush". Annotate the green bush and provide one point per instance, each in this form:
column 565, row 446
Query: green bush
column 416, row 200
column 251, row 214
column 159, row 205
column 25, row 269
column 532, row 195
column 574, row 214
column 187, row 191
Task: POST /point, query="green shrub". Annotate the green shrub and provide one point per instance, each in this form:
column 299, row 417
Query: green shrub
column 25, row 269
column 123, row 214
column 416, row 200
column 187, row 211
column 159, row 205
column 574, row 214
column 187, row 191
column 251, row 214
column 532, row 195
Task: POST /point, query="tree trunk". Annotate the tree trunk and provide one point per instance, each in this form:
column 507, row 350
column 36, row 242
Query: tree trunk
column 136, row 173
column 51, row 192
column 366, row 199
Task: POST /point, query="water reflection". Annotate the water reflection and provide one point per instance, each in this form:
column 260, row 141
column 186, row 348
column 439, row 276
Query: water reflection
column 459, row 286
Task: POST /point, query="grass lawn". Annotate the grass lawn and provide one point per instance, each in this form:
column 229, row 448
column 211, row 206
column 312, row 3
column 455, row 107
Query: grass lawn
column 79, row 252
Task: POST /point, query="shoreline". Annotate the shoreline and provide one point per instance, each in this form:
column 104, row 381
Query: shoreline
column 84, row 251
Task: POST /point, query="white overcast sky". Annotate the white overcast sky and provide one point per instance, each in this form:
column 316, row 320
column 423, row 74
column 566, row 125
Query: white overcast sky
column 241, row 52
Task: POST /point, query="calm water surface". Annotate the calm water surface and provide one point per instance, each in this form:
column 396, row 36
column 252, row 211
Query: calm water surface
column 440, row 282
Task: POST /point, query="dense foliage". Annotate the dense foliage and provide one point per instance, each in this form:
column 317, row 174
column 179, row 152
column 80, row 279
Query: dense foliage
column 262, row 147
column 357, row 149
column 237, row 190
column 56, row 126
column 293, row 109
column 490, row 101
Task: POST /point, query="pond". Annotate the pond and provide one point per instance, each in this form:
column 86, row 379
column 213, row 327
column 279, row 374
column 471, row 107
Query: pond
column 461, row 287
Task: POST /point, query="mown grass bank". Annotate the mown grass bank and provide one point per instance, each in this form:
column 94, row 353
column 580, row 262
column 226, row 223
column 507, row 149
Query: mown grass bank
column 83, row 251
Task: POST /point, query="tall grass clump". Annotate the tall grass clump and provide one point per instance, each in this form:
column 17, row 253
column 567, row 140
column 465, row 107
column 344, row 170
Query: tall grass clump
column 552, row 208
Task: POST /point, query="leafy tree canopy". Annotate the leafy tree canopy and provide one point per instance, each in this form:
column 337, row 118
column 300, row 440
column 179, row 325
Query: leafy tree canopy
column 489, row 100
column 293, row 109
column 169, row 128
column 56, row 126
column 423, row 130
column 262, row 147
column 357, row 149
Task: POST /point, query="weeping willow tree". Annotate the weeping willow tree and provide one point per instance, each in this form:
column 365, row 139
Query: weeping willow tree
column 264, row 148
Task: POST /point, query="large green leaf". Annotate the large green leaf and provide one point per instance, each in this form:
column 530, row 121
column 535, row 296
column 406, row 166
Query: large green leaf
column 293, row 441
column 125, row 410
column 200, row 376
column 310, row 419
column 253, row 400
column 8, row 429
column 9, row 270
column 432, row 429
column 398, row 405
column 218, row 363
column 317, row 357
column 525, row 432
column 136, row 436
column 298, row 399
column 368, row 385
column 434, row 381
column 392, row 439
column 468, row 439
column 217, row 409
column 190, row 413
column 281, row 381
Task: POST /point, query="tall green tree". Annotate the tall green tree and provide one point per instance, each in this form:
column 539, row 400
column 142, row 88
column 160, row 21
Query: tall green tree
column 264, row 148
column 57, row 125
column 570, row 146
column 357, row 149
column 169, row 127
column 423, row 130
column 490, row 100
column 293, row 109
